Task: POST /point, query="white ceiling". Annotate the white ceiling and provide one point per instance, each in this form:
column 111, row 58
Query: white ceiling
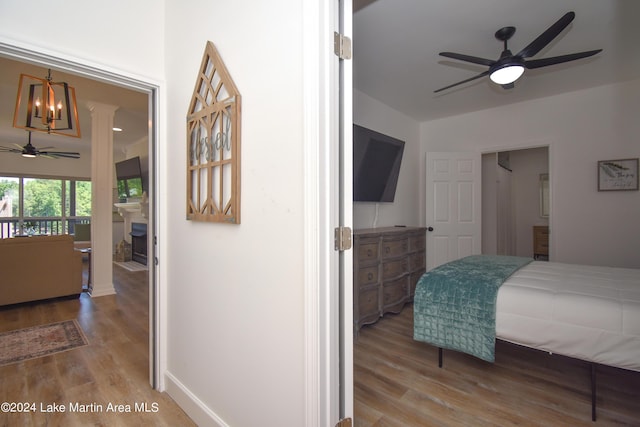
column 395, row 60
column 396, row 45
column 132, row 113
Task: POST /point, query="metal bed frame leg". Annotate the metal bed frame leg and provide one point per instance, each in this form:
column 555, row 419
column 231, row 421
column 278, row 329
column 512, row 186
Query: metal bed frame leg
column 593, row 391
column 439, row 357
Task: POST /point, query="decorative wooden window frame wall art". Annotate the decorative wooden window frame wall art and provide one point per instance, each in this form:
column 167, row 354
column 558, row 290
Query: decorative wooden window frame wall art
column 213, row 144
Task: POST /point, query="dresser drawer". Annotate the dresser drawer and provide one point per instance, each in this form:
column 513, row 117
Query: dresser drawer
column 416, row 261
column 391, row 269
column 395, row 292
column 368, row 251
column 394, row 248
column 367, row 275
column 368, row 305
column 542, row 247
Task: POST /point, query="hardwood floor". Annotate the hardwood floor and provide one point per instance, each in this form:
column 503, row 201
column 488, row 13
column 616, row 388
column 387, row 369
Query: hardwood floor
column 397, row 382
column 112, row 369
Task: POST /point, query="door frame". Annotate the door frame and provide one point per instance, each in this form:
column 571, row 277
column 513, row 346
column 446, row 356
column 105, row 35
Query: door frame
column 323, row 303
column 13, row 50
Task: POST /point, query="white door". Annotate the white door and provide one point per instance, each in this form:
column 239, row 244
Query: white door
column 453, row 206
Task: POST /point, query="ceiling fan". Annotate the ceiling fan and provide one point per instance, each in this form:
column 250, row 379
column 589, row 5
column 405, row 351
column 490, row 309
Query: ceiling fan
column 30, row 151
column 509, row 67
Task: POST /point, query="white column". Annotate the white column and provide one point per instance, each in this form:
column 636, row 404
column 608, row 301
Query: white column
column 102, row 198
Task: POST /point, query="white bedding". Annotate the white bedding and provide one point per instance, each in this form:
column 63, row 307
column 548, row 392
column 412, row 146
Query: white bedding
column 586, row 312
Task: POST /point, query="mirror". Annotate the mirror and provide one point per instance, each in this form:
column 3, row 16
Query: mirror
column 544, row 195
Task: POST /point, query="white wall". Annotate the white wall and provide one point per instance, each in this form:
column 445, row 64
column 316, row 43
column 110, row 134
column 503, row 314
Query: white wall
column 118, row 34
column 588, row 227
column 235, row 301
column 405, row 209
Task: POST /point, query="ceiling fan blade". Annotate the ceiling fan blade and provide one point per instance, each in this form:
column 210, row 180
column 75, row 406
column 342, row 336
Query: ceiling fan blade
column 55, row 154
column 468, row 58
column 10, row 150
column 537, row 63
column 545, row 38
column 486, row 73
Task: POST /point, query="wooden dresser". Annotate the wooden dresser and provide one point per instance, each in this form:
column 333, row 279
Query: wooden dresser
column 541, row 242
column 387, row 263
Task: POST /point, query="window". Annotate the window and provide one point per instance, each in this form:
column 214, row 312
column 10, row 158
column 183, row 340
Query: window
column 34, row 205
column 9, row 191
column 78, row 198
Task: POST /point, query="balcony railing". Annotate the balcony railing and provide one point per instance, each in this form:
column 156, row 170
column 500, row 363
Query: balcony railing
column 11, row 227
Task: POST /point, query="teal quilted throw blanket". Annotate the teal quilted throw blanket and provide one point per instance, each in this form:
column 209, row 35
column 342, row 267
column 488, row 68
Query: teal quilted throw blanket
column 455, row 303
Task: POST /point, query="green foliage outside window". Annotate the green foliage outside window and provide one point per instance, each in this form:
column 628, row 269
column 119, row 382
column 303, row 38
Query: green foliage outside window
column 131, row 187
column 9, row 187
column 43, row 197
column 82, row 196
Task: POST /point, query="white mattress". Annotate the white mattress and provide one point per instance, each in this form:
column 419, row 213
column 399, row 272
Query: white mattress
column 586, row 312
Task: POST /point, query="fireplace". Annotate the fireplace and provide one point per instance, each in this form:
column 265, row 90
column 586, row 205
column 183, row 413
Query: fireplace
column 139, row 242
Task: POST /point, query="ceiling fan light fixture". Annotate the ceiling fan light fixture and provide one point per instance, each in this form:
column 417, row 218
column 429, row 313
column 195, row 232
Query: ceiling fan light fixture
column 29, row 151
column 509, row 67
column 507, row 74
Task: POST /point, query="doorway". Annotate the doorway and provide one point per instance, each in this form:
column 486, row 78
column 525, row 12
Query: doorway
column 514, row 200
column 38, row 59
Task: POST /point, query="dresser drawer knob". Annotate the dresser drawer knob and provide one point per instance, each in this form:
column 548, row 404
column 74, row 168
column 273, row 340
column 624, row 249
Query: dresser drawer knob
column 370, row 276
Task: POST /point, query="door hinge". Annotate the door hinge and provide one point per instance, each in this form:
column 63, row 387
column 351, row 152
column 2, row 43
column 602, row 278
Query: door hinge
column 342, row 238
column 345, row 422
column 341, row 46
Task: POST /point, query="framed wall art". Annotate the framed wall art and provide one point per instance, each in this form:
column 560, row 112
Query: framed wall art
column 213, row 144
column 618, row 175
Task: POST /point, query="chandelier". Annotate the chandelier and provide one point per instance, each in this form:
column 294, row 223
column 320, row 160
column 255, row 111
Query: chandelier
column 43, row 105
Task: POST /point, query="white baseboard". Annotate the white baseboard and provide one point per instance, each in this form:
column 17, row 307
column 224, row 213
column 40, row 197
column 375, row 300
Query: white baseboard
column 189, row 402
column 100, row 290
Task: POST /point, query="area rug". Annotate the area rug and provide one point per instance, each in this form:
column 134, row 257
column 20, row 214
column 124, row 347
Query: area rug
column 38, row 341
column 131, row 266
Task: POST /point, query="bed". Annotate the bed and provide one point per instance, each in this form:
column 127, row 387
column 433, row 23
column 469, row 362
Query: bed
column 586, row 312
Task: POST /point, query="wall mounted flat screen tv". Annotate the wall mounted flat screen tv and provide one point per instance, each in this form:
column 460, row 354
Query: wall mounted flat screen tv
column 129, row 178
column 376, row 165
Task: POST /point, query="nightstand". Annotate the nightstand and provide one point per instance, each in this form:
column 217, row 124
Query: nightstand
column 541, row 242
